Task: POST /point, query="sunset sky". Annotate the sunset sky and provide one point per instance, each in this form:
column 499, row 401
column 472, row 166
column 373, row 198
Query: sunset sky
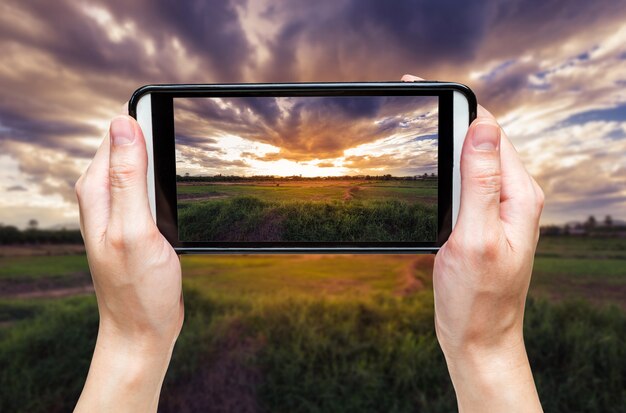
column 553, row 72
column 308, row 136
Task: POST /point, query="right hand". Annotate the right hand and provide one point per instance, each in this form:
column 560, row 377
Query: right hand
column 482, row 273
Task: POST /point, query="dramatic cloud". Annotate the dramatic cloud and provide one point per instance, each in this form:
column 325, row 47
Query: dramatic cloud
column 554, row 75
column 16, row 188
column 303, row 129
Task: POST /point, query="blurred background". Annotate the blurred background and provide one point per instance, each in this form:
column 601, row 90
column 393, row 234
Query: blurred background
column 315, row 333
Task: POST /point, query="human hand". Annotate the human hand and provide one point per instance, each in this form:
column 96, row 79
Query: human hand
column 136, row 275
column 482, row 273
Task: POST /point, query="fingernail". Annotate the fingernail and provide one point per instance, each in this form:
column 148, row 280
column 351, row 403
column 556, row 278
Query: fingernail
column 122, row 131
column 486, row 136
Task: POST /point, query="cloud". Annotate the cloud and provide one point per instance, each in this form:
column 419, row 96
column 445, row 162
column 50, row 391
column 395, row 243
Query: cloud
column 359, row 39
column 16, row 188
column 206, row 160
column 67, row 66
column 383, row 162
column 304, row 128
column 616, row 113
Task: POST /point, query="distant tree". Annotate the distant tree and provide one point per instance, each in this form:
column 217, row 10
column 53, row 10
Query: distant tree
column 432, row 175
column 608, row 221
column 10, row 235
column 566, row 229
column 186, row 174
column 590, row 223
column 33, row 224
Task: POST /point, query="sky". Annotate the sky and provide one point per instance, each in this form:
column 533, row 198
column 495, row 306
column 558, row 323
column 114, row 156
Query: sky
column 307, row 136
column 553, row 73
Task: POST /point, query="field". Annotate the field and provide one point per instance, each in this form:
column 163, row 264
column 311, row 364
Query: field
column 308, row 210
column 333, row 333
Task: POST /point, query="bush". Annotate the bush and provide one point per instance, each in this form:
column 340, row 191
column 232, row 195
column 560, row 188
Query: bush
column 44, row 360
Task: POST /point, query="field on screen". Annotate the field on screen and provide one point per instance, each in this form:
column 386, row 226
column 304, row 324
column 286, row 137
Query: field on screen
column 309, row 210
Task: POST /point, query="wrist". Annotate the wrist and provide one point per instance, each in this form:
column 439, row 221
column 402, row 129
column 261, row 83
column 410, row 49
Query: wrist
column 139, row 334
column 126, row 374
column 493, row 379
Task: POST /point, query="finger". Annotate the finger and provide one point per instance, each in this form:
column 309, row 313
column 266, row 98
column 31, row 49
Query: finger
column 410, row 78
column 481, row 178
column 521, row 200
column 128, row 161
column 92, row 191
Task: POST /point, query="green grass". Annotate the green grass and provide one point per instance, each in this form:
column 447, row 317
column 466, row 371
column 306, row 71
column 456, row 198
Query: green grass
column 582, row 247
column 319, row 275
column 44, row 360
column 251, row 219
column 578, row 355
column 20, row 268
column 16, row 309
column 315, row 354
column 330, row 333
column 611, row 270
column 409, row 191
column 567, row 267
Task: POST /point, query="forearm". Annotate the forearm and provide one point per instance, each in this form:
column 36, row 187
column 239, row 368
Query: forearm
column 494, row 381
column 125, row 376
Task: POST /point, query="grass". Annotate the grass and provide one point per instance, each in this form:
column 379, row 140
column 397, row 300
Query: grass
column 248, row 218
column 325, row 333
column 16, row 309
column 612, row 270
column 331, row 190
column 44, row 360
column 317, row 275
column 582, row 247
column 283, row 353
column 20, row 268
column 575, row 267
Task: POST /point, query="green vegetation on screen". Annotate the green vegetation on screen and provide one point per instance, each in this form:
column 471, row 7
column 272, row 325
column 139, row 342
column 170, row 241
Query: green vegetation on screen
column 309, row 211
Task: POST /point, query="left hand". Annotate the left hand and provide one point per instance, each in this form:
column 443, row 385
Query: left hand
column 136, row 275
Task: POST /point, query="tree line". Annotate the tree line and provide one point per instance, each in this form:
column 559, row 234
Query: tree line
column 10, row 235
column 238, row 178
column 590, row 227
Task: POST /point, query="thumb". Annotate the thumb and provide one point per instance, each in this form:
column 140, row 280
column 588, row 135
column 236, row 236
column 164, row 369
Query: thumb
column 128, row 164
column 481, row 179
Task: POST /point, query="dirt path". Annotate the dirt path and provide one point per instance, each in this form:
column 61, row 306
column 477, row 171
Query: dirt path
column 598, row 293
column 41, row 249
column 204, row 197
column 73, row 284
column 409, row 280
column 56, row 293
column 351, row 192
